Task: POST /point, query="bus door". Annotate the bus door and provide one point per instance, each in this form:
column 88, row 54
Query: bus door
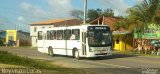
column 40, row 41
column 44, row 41
column 84, row 43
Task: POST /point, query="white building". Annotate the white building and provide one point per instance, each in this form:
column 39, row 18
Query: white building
column 50, row 24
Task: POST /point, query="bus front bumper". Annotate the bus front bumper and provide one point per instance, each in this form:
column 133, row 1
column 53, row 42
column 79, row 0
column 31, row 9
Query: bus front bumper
column 92, row 54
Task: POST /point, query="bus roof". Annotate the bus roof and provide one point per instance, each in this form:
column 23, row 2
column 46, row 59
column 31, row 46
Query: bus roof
column 71, row 27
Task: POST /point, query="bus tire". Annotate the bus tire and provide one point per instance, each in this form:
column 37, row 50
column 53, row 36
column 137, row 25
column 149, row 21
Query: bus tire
column 76, row 54
column 50, row 51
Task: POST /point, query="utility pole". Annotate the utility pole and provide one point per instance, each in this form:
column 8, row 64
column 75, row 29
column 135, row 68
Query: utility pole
column 85, row 9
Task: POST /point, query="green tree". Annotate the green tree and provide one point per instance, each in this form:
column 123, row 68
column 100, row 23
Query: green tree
column 96, row 13
column 1, row 42
column 122, row 24
column 93, row 14
column 77, row 14
column 144, row 13
column 108, row 12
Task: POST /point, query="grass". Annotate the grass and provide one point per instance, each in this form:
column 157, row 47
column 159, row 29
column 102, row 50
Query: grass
column 46, row 66
column 8, row 58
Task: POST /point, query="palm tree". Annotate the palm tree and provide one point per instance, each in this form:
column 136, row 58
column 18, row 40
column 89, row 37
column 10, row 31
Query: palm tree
column 144, row 13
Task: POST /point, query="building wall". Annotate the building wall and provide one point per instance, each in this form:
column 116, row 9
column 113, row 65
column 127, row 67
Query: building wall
column 34, row 34
column 11, row 35
column 111, row 22
column 34, row 41
column 23, row 38
column 122, row 44
column 34, row 28
column 68, row 23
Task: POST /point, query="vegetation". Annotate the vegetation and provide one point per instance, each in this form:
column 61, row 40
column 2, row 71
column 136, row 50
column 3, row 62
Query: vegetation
column 77, row 14
column 92, row 14
column 96, row 13
column 141, row 15
column 8, row 58
column 122, row 24
column 1, row 42
column 45, row 66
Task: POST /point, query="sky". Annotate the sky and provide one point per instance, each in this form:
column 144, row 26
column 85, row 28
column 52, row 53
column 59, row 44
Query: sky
column 21, row 13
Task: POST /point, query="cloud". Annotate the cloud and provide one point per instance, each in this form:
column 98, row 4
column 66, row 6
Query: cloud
column 63, row 4
column 21, row 25
column 20, row 18
column 119, row 6
column 60, row 8
column 57, row 9
column 139, row 1
column 33, row 10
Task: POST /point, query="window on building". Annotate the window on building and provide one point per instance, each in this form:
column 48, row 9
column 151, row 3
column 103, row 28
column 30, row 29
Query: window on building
column 48, row 35
column 60, row 35
column 53, row 35
column 67, row 34
column 75, row 34
column 40, row 35
column 35, row 29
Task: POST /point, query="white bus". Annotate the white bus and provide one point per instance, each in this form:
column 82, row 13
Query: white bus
column 76, row 41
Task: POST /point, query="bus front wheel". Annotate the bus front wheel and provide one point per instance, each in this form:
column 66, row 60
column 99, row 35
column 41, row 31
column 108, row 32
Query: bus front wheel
column 50, row 51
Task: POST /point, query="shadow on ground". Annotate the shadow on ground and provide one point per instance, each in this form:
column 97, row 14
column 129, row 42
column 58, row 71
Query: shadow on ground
column 114, row 56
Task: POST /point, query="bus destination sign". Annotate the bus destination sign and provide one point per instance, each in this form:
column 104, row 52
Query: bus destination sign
column 98, row 28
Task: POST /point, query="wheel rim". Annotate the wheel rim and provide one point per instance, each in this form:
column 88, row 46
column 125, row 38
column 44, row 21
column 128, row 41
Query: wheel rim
column 76, row 54
column 50, row 52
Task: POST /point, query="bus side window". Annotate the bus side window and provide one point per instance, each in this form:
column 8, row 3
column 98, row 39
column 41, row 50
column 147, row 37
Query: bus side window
column 67, row 34
column 60, row 35
column 48, row 35
column 40, row 35
column 75, row 34
column 72, row 37
column 53, row 35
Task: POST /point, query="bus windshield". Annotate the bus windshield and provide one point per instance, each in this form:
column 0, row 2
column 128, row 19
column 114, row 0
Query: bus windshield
column 99, row 36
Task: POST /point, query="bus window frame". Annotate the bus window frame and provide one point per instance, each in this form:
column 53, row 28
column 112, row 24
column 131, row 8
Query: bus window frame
column 58, row 35
column 76, row 38
column 66, row 35
column 39, row 35
column 53, row 36
column 48, row 35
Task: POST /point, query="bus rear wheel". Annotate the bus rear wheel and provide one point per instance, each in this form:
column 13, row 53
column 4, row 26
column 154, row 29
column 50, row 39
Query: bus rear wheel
column 76, row 54
column 50, row 51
